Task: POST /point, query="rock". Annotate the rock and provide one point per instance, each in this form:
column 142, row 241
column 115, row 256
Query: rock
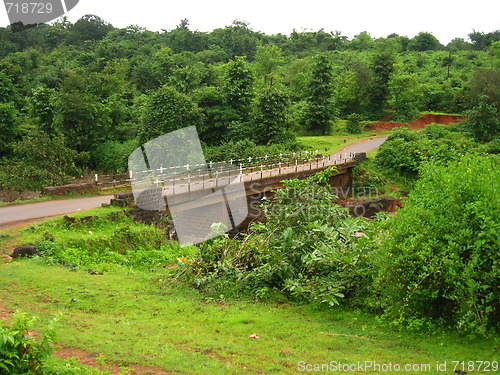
column 69, row 219
column 370, row 207
column 24, row 251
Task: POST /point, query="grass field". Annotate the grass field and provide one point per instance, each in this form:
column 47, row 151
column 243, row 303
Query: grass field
column 133, row 315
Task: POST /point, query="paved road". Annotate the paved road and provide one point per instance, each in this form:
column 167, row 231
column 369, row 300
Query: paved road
column 10, row 215
column 365, row 146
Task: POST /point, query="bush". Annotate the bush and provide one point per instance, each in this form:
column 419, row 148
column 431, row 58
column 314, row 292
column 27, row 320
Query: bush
column 404, row 152
column 39, row 161
column 112, row 156
column 20, row 353
column 439, row 259
column 353, row 125
column 306, row 250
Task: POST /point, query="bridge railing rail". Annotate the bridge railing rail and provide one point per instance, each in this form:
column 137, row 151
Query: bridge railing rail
column 187, row 178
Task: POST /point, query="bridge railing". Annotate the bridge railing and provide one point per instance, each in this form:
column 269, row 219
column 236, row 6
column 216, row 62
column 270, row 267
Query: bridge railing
column 187, row 178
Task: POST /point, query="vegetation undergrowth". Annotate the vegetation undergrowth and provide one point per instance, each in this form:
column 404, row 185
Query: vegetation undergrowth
column 143, row 318
column 103, row 239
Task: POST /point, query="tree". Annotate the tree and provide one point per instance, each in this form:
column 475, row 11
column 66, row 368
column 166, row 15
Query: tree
column 168, row 110
column 459, row 44
column 268, row 60
column 405, row 95
column 181, row 39
column 80, row 116
column 424, row 42
column 239, row 88
column 319, row 110
column 217, row 115
column 482, row 41
column 352, row 88
column 43, row 109
column 272, row 125
column 89, row 27
column 40, row 160
column 439, row 259
column 353, row 125
column 362, row 42
column 9, row 114
column 382, row 68
column 9, row 127
column 236, row 40
column 484, row 120
column 484, row 85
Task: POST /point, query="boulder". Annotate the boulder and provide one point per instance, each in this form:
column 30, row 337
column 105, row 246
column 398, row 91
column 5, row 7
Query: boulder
column 24, row 251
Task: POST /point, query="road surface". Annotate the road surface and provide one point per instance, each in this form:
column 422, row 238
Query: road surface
column 10, row 215
column 365, row 145
column 14, row 214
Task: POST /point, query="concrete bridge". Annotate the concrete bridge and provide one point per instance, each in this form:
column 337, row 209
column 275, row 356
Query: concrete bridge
column 230, row 192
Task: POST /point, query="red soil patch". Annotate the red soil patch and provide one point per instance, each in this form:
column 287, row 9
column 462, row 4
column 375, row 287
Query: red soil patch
column 89, row 359
column 418, row 123
column 86, row 358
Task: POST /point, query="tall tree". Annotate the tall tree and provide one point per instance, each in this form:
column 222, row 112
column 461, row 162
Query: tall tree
column 319, row 110
column 382, row 68
column 272, row 125
column 404, row 95
column 268, row 60
column 168, row 110
column 424, row 42
column 239, row 87
column 80, row 116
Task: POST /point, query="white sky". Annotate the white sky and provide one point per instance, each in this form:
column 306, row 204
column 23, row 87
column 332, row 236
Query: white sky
column 446, row 19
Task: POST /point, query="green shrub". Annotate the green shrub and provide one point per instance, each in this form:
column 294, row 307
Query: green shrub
column 112, row 156
column 354, row 123
column 439, row 259
column 306, row 250
column 404, row 152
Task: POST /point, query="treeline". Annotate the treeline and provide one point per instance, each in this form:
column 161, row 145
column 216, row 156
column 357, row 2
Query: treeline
column 94, row 92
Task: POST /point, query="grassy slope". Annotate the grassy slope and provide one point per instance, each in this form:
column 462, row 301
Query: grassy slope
column 137, row 318
column 132, row 316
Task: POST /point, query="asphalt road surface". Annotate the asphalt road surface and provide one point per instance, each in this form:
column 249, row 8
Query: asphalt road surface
column 10, row 215
column 365, row 146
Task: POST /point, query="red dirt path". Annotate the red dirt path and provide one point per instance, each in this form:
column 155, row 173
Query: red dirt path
column 418, row 123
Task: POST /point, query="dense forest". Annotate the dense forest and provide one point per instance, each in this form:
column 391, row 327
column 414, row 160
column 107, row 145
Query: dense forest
column 85, row 95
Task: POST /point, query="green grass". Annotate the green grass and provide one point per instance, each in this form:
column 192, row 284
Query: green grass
column 142, row 315
column 142, row 318
column 109, row 240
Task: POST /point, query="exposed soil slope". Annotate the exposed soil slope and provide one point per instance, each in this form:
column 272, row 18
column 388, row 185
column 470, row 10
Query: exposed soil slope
column 418, row 123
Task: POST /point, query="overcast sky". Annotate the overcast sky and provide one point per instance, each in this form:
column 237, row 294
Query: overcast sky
column 446, row 19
